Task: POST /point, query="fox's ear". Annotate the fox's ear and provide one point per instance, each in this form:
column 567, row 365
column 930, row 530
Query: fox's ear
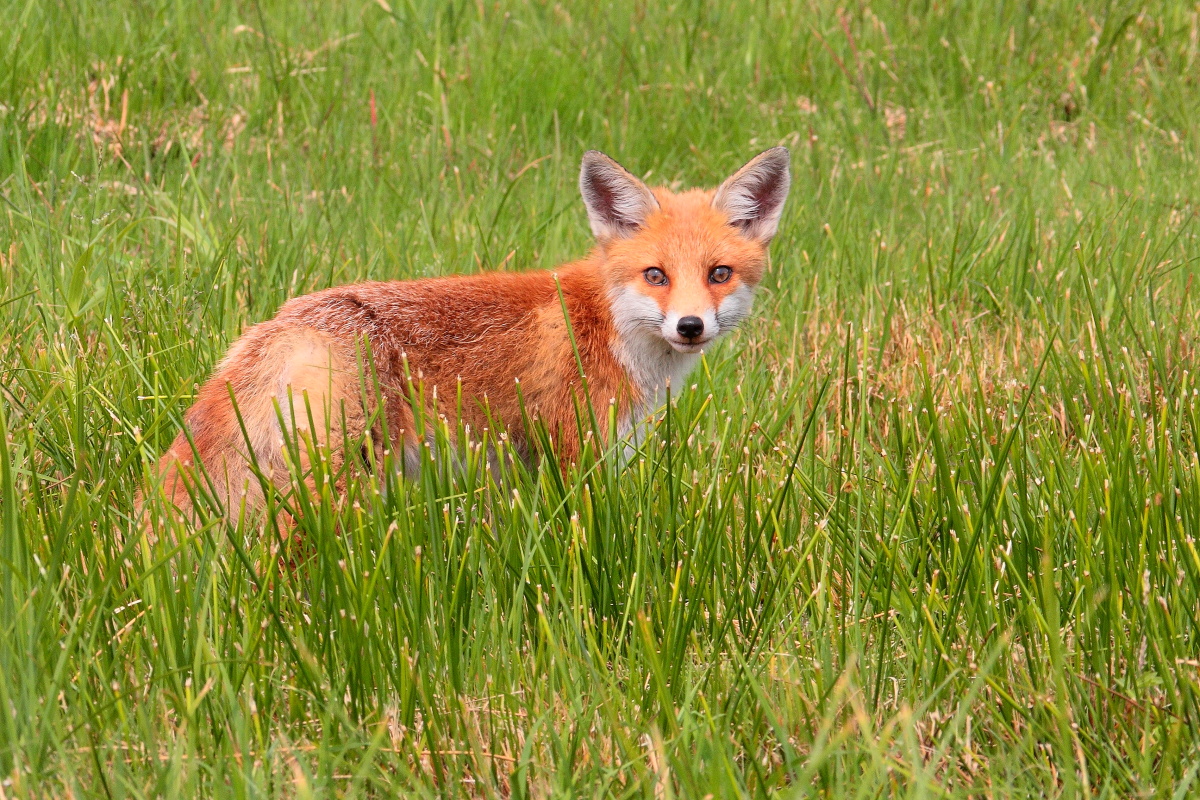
column 617, row 202
column 753, row 197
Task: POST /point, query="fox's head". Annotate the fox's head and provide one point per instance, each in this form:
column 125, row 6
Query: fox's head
column 682, row 268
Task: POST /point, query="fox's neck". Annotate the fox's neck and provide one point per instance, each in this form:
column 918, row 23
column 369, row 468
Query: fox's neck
column 652, row 366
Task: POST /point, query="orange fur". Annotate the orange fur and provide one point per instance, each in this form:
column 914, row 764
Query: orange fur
column 484, row 334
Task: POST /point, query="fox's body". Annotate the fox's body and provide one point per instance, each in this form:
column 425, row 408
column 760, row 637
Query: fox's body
column 671, row 272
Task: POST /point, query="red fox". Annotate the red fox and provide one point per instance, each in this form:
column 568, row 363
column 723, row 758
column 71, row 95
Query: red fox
column 670, row 272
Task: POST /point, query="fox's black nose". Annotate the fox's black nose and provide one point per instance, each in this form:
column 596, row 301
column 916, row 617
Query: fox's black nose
column 690, row 327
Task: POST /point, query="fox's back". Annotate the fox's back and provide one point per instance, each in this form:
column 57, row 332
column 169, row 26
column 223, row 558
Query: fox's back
column 452, row 317
column 481, row 334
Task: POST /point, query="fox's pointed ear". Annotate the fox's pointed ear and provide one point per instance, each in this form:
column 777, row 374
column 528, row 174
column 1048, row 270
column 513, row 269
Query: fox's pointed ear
column 617, row 202
column 753, row 197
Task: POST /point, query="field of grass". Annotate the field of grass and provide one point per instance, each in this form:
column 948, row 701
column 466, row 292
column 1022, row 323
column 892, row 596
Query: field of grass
column 924, row 527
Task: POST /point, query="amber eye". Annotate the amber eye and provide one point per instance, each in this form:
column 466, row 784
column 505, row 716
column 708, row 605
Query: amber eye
column 655, row 277
column 720, row 274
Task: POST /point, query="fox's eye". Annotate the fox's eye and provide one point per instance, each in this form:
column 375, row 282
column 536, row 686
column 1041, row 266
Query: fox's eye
column 720, row 274
column 655, row 277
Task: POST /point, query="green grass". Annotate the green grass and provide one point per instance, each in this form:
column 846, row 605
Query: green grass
column 925, row 527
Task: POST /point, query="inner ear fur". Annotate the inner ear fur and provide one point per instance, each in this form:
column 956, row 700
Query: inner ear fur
column 617, row 202
column 753, row 196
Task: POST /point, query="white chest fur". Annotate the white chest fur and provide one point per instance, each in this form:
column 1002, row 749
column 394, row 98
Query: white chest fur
column 652, row 365
column 649, row 361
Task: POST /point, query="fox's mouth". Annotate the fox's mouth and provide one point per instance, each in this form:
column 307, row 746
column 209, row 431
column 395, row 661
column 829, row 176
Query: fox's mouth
column 689, row 346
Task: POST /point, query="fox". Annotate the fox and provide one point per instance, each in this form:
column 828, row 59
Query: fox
column 669, row 273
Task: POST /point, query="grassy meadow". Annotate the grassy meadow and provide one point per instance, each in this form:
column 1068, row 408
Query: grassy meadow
column 924, row 527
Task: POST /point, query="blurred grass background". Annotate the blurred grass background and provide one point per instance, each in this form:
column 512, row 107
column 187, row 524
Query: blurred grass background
column 924, row 527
